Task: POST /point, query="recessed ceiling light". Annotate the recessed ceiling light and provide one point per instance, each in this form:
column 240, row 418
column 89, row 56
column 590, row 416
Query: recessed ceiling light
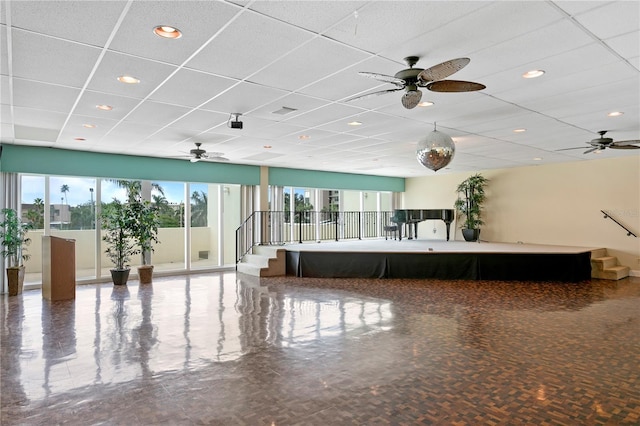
column 519, row 130
column 128, row 79
column 537, row 158
column 79, row 139
column 425, row 104
column 267, row 146
column 304, row 137
column 533, row 74
column 89, row 126
column 167, row 31
column 354, row 123
column 104, row 107
column 615, row 114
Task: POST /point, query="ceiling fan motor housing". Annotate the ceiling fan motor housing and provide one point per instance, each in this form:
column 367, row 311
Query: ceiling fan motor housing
column 602, row 141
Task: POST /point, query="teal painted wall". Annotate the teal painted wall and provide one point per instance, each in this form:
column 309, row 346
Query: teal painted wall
column 52, row 161
column 332, row 180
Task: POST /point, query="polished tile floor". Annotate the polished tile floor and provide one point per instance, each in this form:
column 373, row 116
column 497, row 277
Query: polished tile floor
column 228, row 349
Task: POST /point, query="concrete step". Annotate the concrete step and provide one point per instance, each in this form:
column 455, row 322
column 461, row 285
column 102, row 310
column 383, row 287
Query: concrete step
column 606, row 267
column 602, row 252
column 264, row 261
column 257, row 259
column 257, row 271
column 249, row 269
column 614, row 273
column 270, row 251
column 601, row 263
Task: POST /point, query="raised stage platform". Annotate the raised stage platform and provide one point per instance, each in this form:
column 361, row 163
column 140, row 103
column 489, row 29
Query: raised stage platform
column 439, row 259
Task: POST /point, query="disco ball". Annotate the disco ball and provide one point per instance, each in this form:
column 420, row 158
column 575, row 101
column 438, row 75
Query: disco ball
column 435, row 151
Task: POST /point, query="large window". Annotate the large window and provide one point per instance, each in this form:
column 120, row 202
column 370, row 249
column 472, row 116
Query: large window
column 69, row 207
column 169, row 254
column 198, row 221
column 72, row 216
column 204, row 221
column 33, row 210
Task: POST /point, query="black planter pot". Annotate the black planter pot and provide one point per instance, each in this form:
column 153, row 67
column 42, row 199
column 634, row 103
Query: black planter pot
column 120, row 276
column 471, row 234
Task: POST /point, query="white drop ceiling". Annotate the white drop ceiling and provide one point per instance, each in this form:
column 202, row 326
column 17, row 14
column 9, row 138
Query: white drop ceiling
column 59, row 59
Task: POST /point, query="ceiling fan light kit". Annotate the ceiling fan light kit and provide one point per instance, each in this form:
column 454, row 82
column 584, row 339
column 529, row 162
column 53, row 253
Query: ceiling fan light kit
column 433, row 79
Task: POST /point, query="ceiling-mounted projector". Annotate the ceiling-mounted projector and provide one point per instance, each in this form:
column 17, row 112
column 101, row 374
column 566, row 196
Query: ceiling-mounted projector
column 236, row 123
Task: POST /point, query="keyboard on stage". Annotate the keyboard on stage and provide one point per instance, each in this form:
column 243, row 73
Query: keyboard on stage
column 408, row 217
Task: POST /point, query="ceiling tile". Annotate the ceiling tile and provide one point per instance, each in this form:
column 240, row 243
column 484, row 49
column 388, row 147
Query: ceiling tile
column 316, row 16
column 113, row 65
column 198, row 21
column 67, row 63
column 612, row 19
column 81, row 21
column 191, row 88
column 298, row 68
column 274, row 40
column 156, row 113
column 47, row 96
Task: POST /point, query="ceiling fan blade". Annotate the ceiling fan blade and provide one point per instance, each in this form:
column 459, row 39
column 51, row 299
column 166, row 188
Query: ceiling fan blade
column 595, row 148
column 216, row 156
column 368, row 95
column 384, row 78
column 443, row 70
column 616, row 146
column 629, row 142
column 454, row 86
column 569, row 149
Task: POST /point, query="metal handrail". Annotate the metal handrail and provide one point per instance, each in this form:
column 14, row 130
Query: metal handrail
column 268, row 227
column 608, row 216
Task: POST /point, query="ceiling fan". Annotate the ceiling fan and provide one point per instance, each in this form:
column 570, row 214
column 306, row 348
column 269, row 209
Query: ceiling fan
column 410, row 79
column 602, row 143
column 198, row 154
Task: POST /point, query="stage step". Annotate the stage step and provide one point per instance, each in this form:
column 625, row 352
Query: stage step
column 606, row 267
column 264, row 261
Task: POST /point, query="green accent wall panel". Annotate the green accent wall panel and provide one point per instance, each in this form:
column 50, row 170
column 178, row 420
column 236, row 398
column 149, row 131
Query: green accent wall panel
column 333, row 180
column 52, row 161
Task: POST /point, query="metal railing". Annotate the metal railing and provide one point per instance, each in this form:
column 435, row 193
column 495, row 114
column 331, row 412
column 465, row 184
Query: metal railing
column 608, row 216
column 279, row 227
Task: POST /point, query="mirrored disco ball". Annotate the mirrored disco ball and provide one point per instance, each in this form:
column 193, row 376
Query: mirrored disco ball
column 435, row 151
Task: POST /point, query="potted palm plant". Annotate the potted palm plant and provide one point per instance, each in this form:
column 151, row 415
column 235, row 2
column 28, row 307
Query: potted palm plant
column 145, row 234
column 13, row 237
column 471, row 196
column 145, row 220
column 118, row 222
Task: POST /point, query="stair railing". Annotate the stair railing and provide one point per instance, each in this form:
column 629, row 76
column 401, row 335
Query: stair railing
column 275, row 227
column 608, row 216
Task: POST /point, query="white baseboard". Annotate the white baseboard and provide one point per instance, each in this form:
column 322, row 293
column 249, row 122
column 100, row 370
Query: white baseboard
column 634, row 273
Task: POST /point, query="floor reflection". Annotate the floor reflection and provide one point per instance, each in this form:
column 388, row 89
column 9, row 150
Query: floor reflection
column 176, row 323
column 322, row 341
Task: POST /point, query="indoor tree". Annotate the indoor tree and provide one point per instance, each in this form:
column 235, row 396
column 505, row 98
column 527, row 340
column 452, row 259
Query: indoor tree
column 471, row 196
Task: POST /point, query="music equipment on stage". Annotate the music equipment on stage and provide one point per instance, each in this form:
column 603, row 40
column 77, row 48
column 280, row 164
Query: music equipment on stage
column 408, row 217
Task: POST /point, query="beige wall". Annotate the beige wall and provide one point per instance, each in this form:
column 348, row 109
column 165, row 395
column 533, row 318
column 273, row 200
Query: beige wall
column 555, row 204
